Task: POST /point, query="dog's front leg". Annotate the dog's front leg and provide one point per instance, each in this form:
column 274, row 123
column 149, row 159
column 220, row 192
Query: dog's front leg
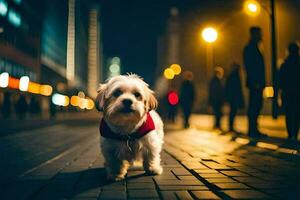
column 151, row 161
column 116, row 169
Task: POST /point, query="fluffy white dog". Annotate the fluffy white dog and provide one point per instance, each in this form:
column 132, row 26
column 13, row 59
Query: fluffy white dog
column 130, row 128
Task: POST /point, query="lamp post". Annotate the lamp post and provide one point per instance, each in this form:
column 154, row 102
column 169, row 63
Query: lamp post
column 209, row 35
column 253, row 8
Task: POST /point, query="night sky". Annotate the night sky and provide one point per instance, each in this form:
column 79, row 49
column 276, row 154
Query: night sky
column 130, row 30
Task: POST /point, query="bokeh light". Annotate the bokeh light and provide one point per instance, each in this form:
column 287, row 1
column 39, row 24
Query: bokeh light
column 90, row 104
column 268, row 92
column 173, row 98
column 169, row 73
column 252, row 7
column 75, row 100
column 4, row 78
column 176, row 69
column 209, row 34
column 24, row 82
column 60, row 100
column 46, row 90
column 34, row 88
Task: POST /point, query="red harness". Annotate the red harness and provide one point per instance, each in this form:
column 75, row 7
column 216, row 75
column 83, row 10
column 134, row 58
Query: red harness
column 147, row 126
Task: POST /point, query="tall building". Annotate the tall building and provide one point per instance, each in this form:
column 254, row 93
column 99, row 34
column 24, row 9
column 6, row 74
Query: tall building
column 54, row 42
column 95, row 62
column 71, row 47
column 19, row 38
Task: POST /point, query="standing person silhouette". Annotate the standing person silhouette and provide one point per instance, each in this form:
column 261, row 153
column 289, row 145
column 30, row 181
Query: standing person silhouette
column 217, row 96
column 255, row 70
column 289, row 77
column 234, row 93
column 187, row 96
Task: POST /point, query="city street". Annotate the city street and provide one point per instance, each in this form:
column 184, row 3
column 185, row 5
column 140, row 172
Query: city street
column 63, row 161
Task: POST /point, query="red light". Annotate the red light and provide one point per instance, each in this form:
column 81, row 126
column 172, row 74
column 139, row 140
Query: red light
column 173, row 98
column 13, row 83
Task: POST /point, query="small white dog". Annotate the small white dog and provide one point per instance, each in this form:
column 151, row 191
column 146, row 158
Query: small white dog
column 130, row 128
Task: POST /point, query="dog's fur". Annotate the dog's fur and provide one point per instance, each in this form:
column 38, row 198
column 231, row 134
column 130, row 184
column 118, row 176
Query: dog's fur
column 125, row 121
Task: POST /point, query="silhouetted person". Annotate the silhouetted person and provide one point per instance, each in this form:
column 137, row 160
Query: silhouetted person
column 255, row 69
column 216, row 95
column 52, row 109
column 34, row 106
column 6, row 106
column 234, row 94
column 172, row 105
column 21, row 107
column 187, row 96
column 289, row 76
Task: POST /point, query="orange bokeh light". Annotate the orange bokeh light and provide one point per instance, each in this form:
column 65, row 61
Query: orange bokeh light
column 13, row 83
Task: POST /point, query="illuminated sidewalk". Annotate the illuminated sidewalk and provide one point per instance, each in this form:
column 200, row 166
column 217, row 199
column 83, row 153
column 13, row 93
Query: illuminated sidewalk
column 197, row 164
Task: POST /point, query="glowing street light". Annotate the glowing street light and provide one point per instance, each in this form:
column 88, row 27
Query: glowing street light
column 4, row 78
column 252, row 7
column 60, row 100
column 209, row 34
column 24, row 83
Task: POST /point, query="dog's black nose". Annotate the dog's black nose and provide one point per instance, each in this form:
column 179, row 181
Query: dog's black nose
column 127, row 102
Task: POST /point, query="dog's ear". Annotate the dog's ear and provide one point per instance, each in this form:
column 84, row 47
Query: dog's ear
column 100, row 97
column 152, row 101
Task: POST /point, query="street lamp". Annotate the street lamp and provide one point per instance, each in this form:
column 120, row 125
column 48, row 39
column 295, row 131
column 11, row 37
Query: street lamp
column 209, row 35
column 252, row 8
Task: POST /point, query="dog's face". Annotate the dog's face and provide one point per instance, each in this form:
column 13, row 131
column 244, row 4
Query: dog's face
column 125, row 99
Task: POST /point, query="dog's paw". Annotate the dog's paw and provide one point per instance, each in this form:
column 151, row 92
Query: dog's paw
column 115, row 178
column 157, row 170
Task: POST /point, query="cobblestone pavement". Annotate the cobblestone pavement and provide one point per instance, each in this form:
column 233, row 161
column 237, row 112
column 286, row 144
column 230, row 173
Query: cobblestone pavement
column 197, row 165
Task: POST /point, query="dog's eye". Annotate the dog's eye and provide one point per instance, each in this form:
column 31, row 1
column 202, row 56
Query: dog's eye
column 137, row 94
column 117, row 93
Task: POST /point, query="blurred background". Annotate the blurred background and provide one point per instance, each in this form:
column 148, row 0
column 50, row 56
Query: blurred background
column 54, row 53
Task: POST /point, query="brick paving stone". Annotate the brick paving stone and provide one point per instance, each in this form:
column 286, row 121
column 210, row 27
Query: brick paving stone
column 187, row 178
column 181, row 171
column 169, row 195
column 247, row 169
column 194, row 165
column 135, row 172
column 168, row 177
column 249, row 180
column 267, row 185
column 220, row 180
column 214, row 165
column 179, row 182
column 206, row 171
column 182, row 187
column 117, row 186
column 112, row 195
column 231, row 185
column 233, row 173
column 136, row 186
column 245, row 194
column 184, row 195
column 142, row 179
column 205, row 195
column 142, row 194
column 89, row 194
column 216, row 175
